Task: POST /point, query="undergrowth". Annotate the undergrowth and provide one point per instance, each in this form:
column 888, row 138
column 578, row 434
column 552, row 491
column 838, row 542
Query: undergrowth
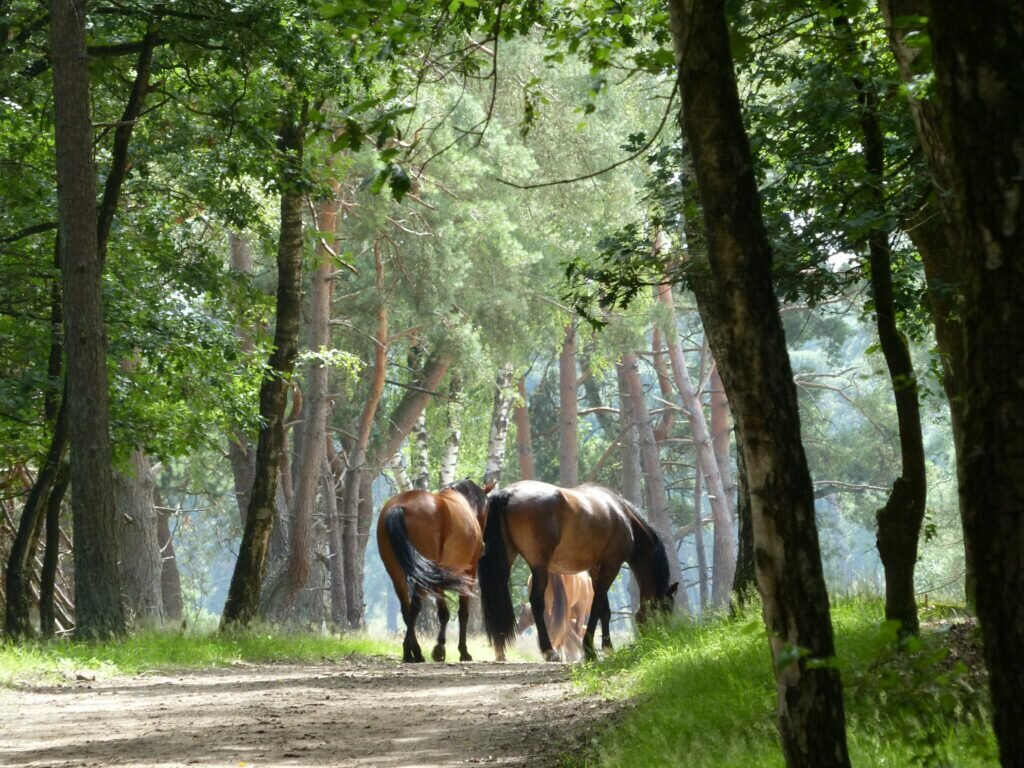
column 60, row 660
column 702, row 695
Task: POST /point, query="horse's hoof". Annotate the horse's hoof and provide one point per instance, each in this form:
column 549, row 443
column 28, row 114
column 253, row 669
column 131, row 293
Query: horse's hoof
column 551, row 655
column 438, row 653
column 499, row 657
column 464, row 655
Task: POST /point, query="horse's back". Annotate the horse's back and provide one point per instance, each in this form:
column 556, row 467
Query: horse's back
column 568, row 529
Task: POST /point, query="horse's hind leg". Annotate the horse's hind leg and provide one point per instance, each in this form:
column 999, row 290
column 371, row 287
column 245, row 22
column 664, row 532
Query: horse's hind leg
column 600, row 610
column 606, row 619
column 463, row 627
column 410, row 646
column 443, row 614
column 540, row 583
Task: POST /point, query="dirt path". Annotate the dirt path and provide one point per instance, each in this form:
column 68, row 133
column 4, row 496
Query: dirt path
column 356, row 713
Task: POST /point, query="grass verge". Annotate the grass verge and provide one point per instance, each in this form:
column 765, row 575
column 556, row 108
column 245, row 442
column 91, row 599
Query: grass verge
column 704, row 695
column 60, row 660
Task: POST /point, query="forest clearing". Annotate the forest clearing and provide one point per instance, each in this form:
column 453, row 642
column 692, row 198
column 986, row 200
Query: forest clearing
column 677, row 343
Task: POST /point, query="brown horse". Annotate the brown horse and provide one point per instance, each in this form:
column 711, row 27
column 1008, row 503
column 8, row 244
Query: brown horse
column 566, row 530
column 431, row 542
column 566, row 608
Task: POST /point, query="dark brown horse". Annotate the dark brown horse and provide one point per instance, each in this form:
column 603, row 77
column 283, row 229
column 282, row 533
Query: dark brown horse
column 566, row 609
column 566, row 530
column 431, row 542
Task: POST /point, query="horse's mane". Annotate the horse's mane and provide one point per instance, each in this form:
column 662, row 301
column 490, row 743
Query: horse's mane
column 660, row 561
column 474, row 493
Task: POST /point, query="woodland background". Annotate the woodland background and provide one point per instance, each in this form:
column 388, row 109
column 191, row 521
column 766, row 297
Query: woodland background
column 346, row 249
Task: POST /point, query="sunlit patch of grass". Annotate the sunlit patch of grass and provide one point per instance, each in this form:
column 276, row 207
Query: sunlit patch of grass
column 704, row 695
column 57, row 660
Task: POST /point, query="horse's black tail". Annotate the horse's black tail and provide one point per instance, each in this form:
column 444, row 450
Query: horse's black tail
column 494, row 571
column 420, row 573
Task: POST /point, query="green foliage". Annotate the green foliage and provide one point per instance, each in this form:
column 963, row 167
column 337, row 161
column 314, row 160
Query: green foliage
column 57, row 661
column 706, row 697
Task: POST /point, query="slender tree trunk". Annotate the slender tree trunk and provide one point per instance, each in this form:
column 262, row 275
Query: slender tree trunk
column 400, row 472
column 499, row 425
column 721, row 434
column 934, row 229
column 668, row 415
column 788, row 558
column 632, row 474
column 698, row 539
column 421, row 470
column 977, row 53
column 335, row 550
column 745, row 581
column 654, row 478
column 592, row 394
column 98, row 591
column 568, row 419
column 138, row 542
column 724, row 550
column 241, row 451
column 524, row 435
column 242, row 605
column 170, row 579
column 453, row 438
column 48, row 625
column 899, row 521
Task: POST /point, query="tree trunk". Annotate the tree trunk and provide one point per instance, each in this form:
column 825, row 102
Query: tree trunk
column 721, row 436
column 899, row 521
column 524, row 435
column 400, row 472
column 668, row 415
column 568, row 458
column 698, row 540
column 592, row 394
column 243, row 600
column 934, row 229
column 421, row 468
column 789, row 573
column 310, row 446
column 170, row 579
column 138, row 542
column 241, row 452
column 335, row 538
column 499, row 425
column 98, row 591
column 48, row 624
column 632, row 474
column 745, row 580
column 450, row 452
column 654, row 478
column 724, row 549
column 977, row 55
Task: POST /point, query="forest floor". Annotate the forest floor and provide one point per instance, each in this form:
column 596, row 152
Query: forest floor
column 365, row 712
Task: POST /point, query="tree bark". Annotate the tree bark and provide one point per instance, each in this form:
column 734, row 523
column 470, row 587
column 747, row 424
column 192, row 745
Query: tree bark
column 698, row 540
column 899, row 521
column 310, row 453
column 524, row 435
column 499, row 425
column 789, row 572
column 334, row 474
column 724, row 549
column 668, row 415
column 98, row 591
column 632, row 473
column 138, row 542
column 48, row 623
column 934, row 229
column 654, row 478
column 568, row 419
column 170, row 579
column 242, row 605
column 453, row 439
column 977, row 53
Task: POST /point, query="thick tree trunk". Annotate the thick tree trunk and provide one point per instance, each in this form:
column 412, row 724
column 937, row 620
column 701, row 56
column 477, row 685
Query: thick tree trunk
column 568, row 418
column 977, row 53
column 242, row 605
column 48, row 609
column 98, row 591
column 654, row 477
column 724, row 550
column 524, row 435
column 499, row 425
column 310, row 446
column 138, row 542
column 789, row 571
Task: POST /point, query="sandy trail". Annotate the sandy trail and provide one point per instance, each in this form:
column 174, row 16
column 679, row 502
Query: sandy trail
column 354, row 713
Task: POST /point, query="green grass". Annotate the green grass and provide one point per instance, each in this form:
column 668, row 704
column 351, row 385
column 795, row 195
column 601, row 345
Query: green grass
column 59, row 660
column 704, row 695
